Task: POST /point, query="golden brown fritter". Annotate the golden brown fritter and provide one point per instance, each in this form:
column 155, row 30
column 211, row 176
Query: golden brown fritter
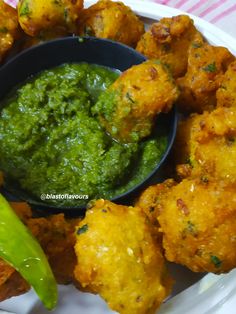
column 169, row 40
column 226, row 94
column 43, row 37
column 11, row 282
column 185, row 143
column 22, row 210
column 210, row 145
column 215, row 150
column 119, row 259
column 36, row 16
column 128, row 108
column 151, row 198
column 198, row 221
column 9, row 30
column 111, row 20
column 206, row 65
column 56, row 237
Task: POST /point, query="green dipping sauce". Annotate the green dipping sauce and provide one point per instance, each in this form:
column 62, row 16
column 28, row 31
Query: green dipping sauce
column 50, row 143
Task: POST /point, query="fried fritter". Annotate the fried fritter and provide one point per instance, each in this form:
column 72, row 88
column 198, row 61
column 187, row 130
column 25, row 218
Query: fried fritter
column 210, row 145
column 56, row 237
column 36, row 16
column 119, row 259
column 129, row 106
column 43, row 37
column 151, row 197
column 11, row 282
column 206, row 65
column 185, row 142
column 226, row 94
column 198, row 221
column 22, row 210
column 9, row 30
column 169, row 40
column 111, row 20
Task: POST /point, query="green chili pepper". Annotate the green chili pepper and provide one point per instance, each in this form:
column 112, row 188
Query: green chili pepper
column 22, row 251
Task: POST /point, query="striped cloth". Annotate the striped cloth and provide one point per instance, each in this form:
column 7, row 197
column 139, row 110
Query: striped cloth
column 220, row 12
column 13, row 3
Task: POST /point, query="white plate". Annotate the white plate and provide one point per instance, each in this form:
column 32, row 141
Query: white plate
column 209, row 295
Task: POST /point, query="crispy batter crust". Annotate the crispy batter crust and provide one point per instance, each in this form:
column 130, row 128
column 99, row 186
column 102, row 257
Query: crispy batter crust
column 36, row 16
column 119, row 259
column 170, row 40
column 226, row 94
column 198, row 222
column 206, row 66
column 140, row 93
column 208, row 143
column 111, row 20
column 9, row 30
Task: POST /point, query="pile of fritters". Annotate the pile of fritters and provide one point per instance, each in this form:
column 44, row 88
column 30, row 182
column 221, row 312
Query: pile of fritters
column 195, row 212
column 119, row 251
column 40, row 21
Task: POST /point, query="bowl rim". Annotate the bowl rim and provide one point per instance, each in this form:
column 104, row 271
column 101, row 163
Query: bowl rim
column 118, row 198
column 79, row 39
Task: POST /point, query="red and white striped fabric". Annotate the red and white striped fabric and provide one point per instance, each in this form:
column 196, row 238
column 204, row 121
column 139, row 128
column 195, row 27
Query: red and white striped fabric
column 220, row 12
column 13, row 3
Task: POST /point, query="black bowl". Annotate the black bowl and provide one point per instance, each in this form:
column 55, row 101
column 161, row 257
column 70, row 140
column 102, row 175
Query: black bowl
column 73, row 49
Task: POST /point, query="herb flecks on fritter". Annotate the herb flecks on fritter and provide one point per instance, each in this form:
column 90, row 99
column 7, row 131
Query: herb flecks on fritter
column 36, row 16
column 198, row 222
column 111, row 20
column 226, row 94
column 151, row 197
column 119, row 258
column 170, row 40
column 128, row 108
column 9, row 30
column 206, row 66
column 209, row 145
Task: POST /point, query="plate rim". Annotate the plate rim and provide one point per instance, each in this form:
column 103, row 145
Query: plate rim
column 155, row 11
column 210, row 283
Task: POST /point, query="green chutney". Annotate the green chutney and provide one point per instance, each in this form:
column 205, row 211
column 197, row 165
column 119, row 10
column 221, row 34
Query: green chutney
column 51, row 143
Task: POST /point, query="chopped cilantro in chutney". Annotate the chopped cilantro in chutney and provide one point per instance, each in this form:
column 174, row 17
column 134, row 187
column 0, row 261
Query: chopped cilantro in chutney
column 50, row 141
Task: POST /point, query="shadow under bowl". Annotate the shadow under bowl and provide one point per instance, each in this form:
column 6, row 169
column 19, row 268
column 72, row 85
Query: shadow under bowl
column 76, row 50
